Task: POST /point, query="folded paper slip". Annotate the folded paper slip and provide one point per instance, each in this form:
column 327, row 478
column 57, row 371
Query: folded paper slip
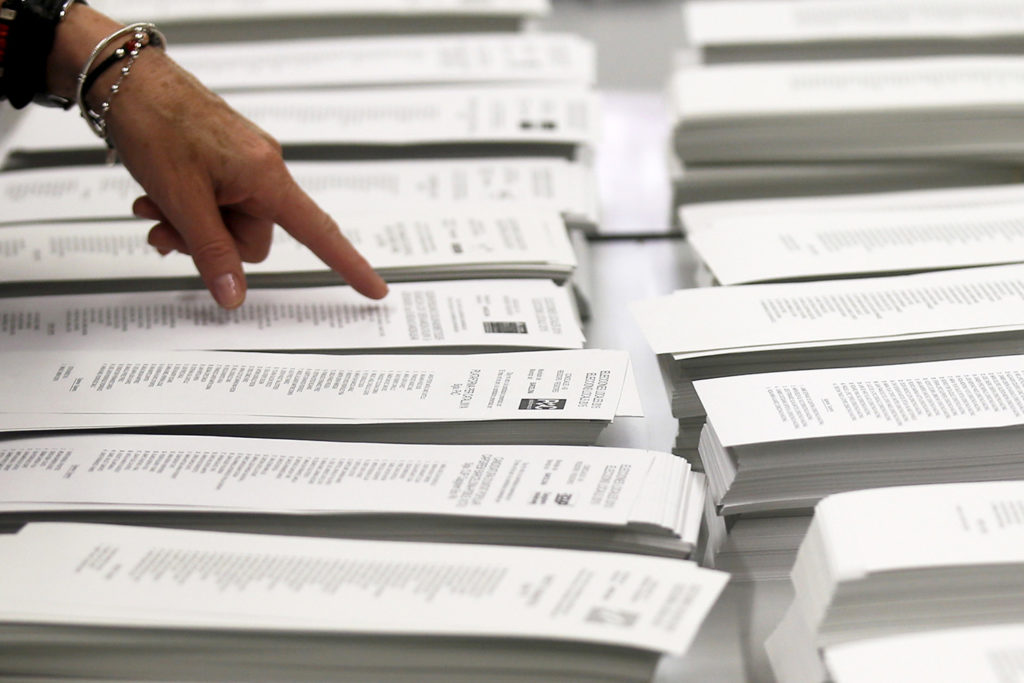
column 532, row 397
column 725, row 331
column 779, row 240
column 981, row 654
column 342, row 188
column 610, row 499
column 949, row 108
column 454, row 11
column 392, row 60
column 782, row 441
column 742, row 30
column 436, row 121
column 266, row 608
column 898, row 560
column 440, row 244
column 439, row 316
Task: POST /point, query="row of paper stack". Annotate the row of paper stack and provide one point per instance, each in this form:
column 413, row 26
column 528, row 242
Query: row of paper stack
column 919, row 583
column 818, row 97
column 800, row 374
column 286, row 491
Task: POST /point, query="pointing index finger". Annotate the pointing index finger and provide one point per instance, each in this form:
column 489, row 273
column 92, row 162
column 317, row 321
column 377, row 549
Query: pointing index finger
column 312, row 226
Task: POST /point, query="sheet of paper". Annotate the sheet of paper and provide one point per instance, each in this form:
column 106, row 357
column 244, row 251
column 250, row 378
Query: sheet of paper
column 341, row 187
column 122, row 577
column 418, row 315
column 758, row 317
column 395, row 243
column 200, row 10
column 923, row 526
column 848, row 87
column 792, row 246
column 192, row 473
column 990, row 654
column 140, row 387
column 735, row 22
column 977, row 393
column 562, row 115
column 400, row 60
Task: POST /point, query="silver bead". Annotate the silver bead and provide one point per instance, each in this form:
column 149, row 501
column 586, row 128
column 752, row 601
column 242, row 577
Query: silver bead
column 114, row 88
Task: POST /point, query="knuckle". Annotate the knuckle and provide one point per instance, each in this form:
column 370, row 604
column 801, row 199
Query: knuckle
column 213, row 251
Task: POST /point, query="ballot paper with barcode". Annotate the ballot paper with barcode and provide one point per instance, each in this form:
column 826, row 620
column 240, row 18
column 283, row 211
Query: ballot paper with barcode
column 402, row 245
column 73, row 389
column 392, row 60
column 557, row 116
column 162, row 578
column 129, row 472
column 226, row 10
column 340, row 187
column 470, row 315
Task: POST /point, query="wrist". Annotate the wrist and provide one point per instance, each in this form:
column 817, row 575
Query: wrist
column 82, row 29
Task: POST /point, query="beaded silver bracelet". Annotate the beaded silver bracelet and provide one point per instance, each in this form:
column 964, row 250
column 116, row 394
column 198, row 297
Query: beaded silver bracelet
column 142, row 35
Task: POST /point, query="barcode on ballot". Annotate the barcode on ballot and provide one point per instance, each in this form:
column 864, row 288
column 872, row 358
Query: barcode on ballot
column 496, row 327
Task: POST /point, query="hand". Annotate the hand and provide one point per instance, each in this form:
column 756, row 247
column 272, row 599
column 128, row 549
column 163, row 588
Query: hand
column 215, row 182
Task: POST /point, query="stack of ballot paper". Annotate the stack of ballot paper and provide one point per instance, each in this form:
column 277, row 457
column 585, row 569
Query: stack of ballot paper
column 366, row 123
column 724, row 331
column 342, row 188
column 461, row 316
column 944, row 108
column 342, row 16
column 609, row 499
column 901, row 560
column 428, row 60
column 541, row 397
column 497, row 242
column 983, row 654
column 793, row 239
column 762, row 30
column 758, row 548
column 696, row 183
column 783, row 440
column 115, row 602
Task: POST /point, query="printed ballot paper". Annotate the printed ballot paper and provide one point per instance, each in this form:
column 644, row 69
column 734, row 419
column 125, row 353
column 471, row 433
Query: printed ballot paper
column 588, row 498
column 273, row 608
column 531, row 397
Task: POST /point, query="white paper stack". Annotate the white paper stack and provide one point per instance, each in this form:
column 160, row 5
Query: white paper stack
column 610, row 499
column 762, row 30
column 340, row 187
column 901, row 560
column 495, row 242
column 153, row 604
column 344, row 16
column 725, row 331
column 794, row 239
column 441, row 317
column 402, row 122
column 760, row 548
column 782, row 441
column 938, row 108
column 697, row 183
column 541, row 397
column 406, row 60
column 984, row 654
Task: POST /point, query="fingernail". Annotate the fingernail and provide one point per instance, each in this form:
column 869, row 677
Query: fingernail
column 227, row 290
